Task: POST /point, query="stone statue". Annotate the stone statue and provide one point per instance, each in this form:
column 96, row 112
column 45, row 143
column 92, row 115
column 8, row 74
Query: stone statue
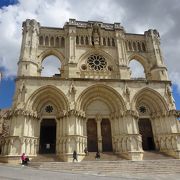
column 95, row 35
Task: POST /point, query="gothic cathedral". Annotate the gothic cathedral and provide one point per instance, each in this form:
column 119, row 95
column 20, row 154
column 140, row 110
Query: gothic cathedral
column 93, row 102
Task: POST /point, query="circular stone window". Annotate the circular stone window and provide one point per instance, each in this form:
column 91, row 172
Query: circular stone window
column 49, row 109
column 83, row 67
column 96, row 62
column 142, row 109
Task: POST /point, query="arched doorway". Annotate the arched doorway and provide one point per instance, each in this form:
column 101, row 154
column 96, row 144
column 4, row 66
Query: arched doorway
column 145, row 129
column 47, row 143
column 106, row 135
column 92, row 143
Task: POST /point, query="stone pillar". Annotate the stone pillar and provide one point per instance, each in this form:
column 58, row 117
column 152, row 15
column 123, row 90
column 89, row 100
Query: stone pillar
column 131, row 141
column 99, row 136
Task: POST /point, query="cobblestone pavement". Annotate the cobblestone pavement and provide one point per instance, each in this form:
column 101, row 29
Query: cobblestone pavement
column 10, row 172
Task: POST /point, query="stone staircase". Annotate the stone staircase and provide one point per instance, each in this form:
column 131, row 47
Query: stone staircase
column 154, row 155
column 46, row 158
column 113, row 165
column 105, row 156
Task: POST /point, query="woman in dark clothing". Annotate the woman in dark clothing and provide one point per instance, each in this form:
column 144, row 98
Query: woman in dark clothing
column 75, row 156
column 97, row 155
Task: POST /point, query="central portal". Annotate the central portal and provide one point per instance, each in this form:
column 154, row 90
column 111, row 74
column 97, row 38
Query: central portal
column 47, row 143
column 145, row 129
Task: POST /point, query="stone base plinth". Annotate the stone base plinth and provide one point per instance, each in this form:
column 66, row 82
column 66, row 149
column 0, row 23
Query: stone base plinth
column 133, row 155
column 12, row 159
column 175, row 154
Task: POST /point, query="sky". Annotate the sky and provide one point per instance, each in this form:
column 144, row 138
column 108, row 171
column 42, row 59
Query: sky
column 136, row 16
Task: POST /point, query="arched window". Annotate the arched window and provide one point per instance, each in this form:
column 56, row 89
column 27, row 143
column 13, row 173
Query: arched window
column 62, row 42
column 109, row 43
column 113, row 42
column 41, row 40
column 52, row 41
column 86, row 40
column 137, row 70
column 77, row 39
column 130, row 47
column 51, row 66
column 139, row 46
column 47, row 41
column 104, row 41
column 134, row 46
column 57, row 41
column 82, row 40
column 143, row 47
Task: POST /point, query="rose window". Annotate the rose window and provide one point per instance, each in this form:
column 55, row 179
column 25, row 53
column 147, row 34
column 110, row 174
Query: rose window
column 142, row 109
column 96, row 62
column 49, row 109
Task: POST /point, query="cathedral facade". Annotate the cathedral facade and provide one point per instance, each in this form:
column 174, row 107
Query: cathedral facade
column 93, row 102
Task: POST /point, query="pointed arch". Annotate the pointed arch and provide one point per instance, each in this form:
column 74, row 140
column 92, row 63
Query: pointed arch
column 100, row 52
column 151, row 98
column 103, row 93
column 49, row 52
column 142, row 60
column 46, row 94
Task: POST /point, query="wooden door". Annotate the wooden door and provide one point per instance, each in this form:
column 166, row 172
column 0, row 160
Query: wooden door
column 106, row 135
column 92, row 135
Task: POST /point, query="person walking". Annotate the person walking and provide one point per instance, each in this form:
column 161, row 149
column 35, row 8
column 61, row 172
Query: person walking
column 97, row 155
column 86, row 151
column 74, row 156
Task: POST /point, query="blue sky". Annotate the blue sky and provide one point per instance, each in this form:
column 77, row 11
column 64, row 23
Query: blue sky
column 56, row 12
column 7, row 2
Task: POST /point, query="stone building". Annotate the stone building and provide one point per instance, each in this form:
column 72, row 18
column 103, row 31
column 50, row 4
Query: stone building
column 93, row 102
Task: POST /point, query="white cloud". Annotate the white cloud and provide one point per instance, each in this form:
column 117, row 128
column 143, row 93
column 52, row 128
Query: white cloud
column 136, row 16
column 49, row 13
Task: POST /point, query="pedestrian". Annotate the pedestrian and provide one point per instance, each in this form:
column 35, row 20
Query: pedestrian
column 86, row 151
column 75, row 156
column 97, row 155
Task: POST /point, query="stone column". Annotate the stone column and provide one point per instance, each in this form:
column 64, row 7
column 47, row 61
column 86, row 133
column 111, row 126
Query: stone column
column 99, row 136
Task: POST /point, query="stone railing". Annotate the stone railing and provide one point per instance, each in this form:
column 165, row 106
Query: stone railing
column 168, row 142
column 15, row 145
column 85, row 24
column 96, row 74
column 128, row 142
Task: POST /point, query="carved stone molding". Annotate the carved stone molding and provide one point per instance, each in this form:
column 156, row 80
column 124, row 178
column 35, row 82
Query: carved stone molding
column 74, row 112
column 22, row 112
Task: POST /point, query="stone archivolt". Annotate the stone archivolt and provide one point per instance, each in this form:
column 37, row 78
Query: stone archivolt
column 94, row 102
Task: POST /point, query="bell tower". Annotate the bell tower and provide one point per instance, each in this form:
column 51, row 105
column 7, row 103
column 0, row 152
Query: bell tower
column 27, row 65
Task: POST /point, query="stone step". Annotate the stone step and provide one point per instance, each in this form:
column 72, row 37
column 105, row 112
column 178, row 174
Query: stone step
column 150, row 155
column 105, row 156
column 158, row 166
column 46, row 158
column 110, row 163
